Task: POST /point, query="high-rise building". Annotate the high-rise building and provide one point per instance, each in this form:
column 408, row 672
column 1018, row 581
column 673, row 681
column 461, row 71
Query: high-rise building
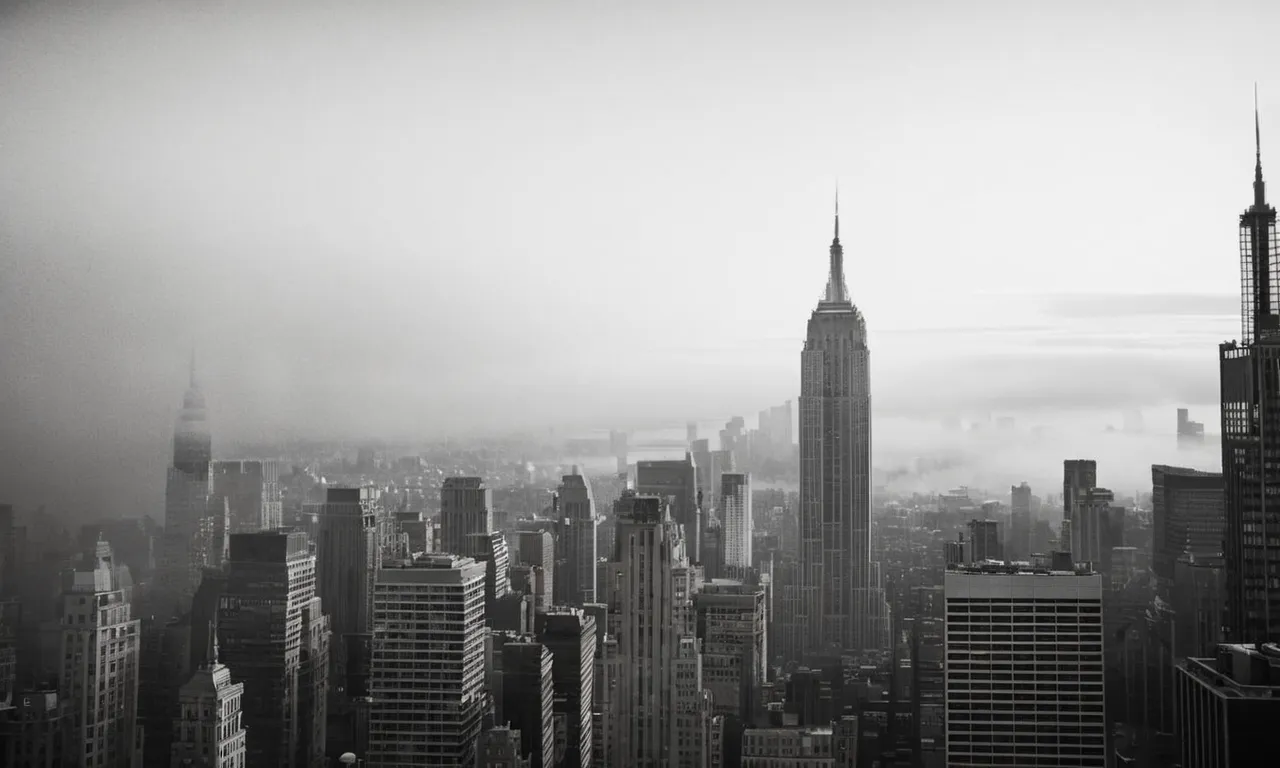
column 100, row 654
column 528, row 697
column 731, row 625
column 428, row 663
column 1188, row 516
column 1078, row 475
column 653, row 614
column 845, row 606
column 194, row 525
column 164, row 664
column 984, row 541
column 575, row 583
column 252, row 491
column 1228, row 705
column 1190, row 433
column 500, row 748
column 570, row 635
column 208, row 731
column 1019, row 522
column 491, row 549
column 1097, row 525
column 347, row 560
column 1024, row 667
column 1251, row 430
column 676, row 483
column 466, row 508
column 537, row 548
column 275, row 638
column 735, row 516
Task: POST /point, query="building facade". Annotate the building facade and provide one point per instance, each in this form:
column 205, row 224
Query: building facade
column 570, row 635
column 735, row 517
column 1024, row 668
column 845, row 606
column 466, row 508
column 577, row 537
column 427, row 670
column 209, row 731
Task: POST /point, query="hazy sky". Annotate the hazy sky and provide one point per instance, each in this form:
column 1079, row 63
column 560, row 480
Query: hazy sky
column 417, row 218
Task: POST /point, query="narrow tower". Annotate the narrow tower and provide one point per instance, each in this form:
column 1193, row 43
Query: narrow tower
column 1250, row 378
column 841, row 596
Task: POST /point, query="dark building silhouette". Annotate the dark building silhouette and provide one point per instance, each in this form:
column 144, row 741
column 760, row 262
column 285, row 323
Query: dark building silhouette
column 528, row 698
column 1250, row 377
column 984, row 541
column 165, row 664
column 1187, row 515
column 576, row 540
column 676, row 483
column 1019, row 522
column 1228, row 706
column 570, row 635
column 275, row 638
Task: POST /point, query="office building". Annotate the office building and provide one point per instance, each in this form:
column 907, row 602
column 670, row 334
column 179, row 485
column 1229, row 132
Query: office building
column 491, row 549
column 1024, row 667
column 793, row 747
column 528, row 696
column 1078, row 475
column 347, row 560
column 31, row 733
column 208, row 731
column 274, row 637
column 1190, row 433
column 653, row 609
column 575, row 583
column 466, row 508
column 676, row 483
column 1188, row 516
column 164, row 665
column 1228, row 706
column 427, row 671
column 537, row 548
column 500, row 748
column 735, row 517
column 1097, row 526
column 731, row 623
column 1019, row 548
column 845, row 607
column 99, row 671
column 252, row 491
column 571, row 636
column 984, row 541
column 1251, row 431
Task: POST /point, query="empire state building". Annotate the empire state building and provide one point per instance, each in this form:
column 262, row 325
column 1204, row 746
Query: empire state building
column 843, row 603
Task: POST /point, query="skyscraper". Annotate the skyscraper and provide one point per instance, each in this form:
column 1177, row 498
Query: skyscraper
column 1078, row 475
column 731, row 625
column 537, row 548
column 1187, row 517
column 659, row 662
column 208, row 731
column 252, row 491
column 529, row 696
column 99, row 676
column 347, row 560
column 575, row 583
column 466, row 508
column 735, row 516
column 1019, row 522
column 570, row 635
column 194, row 527
column 844, row 606
column 676, row 483
column 1250, row 376
column 275, row 638
column 1024, row 667
column 428, row 663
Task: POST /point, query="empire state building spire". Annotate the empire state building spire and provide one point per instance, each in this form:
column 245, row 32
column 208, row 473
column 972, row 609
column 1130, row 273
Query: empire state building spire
column 837, row 291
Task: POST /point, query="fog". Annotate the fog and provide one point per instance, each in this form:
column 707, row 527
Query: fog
column 413, row 220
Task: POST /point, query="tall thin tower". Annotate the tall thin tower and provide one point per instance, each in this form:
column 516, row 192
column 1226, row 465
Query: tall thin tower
column 844, row 605
column 1250, row 377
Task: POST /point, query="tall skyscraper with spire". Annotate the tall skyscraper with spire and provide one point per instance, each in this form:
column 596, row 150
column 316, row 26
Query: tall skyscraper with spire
column 842, row 601
column 1250, row 378
column 195, row 528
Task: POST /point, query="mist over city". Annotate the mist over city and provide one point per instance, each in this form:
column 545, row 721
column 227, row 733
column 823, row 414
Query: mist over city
column 855, row 310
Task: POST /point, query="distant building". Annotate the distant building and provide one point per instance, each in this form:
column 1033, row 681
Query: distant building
column 731, row 625
column 675, row 482
column 736, row 517
column 1019, row 522
column 999, row 711
column 252, row 492
column 984, row 541
column 1078, row 475
column 537, row 548
column 466, row 508
column 1188, row 517
column 1228, row 706
column 1190, row 433
column 578, row 523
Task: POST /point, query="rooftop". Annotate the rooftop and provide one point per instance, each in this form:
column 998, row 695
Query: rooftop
column 1240, row 671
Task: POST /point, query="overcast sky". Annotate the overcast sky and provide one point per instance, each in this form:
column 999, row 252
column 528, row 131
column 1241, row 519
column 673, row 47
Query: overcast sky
column 412, row 219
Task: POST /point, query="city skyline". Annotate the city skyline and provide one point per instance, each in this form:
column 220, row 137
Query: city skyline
column 94, row 350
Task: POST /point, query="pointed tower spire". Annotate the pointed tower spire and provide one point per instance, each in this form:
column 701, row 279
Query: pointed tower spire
column 1259, row 186
column 836, row 293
